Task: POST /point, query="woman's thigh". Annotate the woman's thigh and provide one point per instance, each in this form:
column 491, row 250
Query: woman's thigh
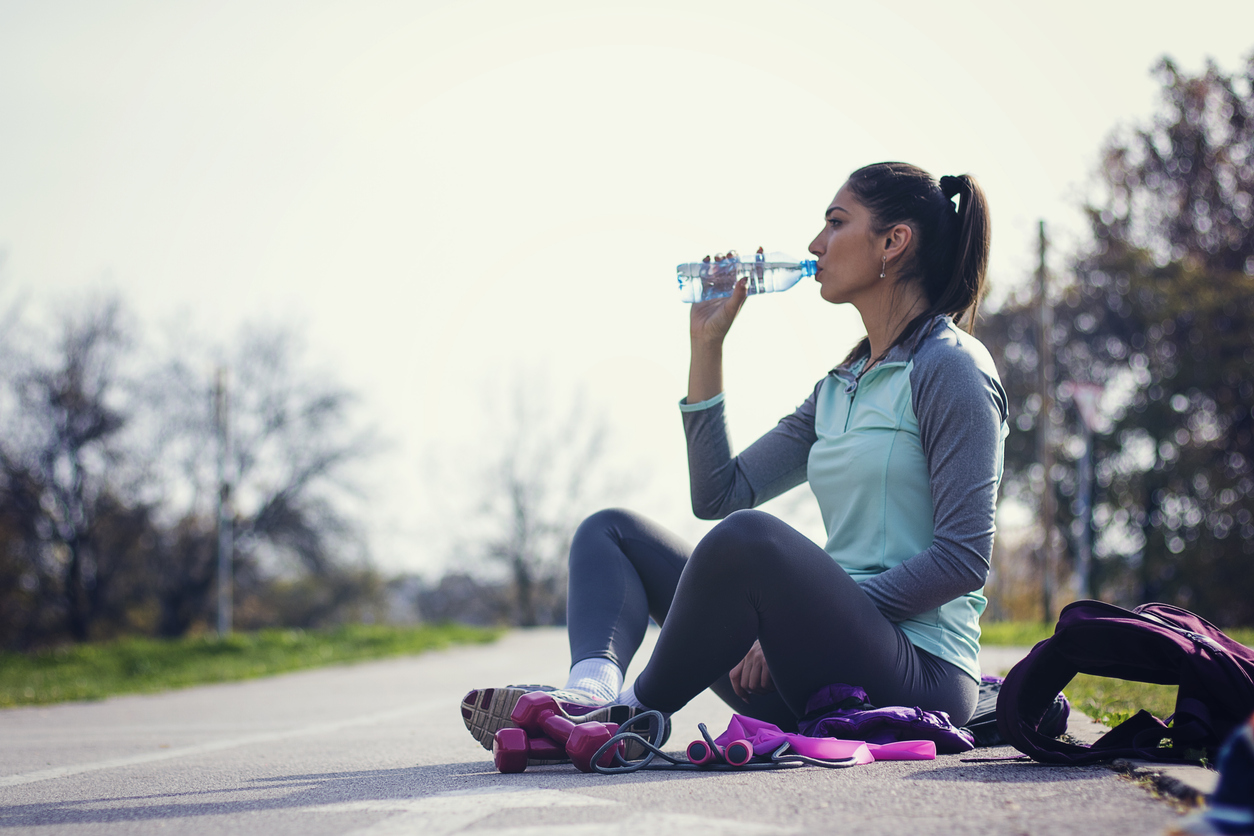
column 755, row 577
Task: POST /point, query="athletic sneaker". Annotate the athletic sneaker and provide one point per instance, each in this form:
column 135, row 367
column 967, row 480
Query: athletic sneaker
column 486, row 710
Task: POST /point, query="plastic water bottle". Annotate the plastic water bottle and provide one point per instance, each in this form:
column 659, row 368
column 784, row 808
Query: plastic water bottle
column 766, row 273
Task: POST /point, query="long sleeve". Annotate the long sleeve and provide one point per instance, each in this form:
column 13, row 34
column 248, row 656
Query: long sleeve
column 722, row 483
column 961, row 409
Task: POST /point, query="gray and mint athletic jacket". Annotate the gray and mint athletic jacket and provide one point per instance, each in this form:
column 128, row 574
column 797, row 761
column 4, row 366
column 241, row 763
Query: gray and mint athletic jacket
column 905, row 463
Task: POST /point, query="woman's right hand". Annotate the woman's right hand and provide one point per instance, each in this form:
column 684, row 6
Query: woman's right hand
column 751, row 675
column 709, row 321
column 708, row 325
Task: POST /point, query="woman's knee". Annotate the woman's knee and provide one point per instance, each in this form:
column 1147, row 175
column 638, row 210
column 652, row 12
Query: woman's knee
column 741, row 536
column 607, row 523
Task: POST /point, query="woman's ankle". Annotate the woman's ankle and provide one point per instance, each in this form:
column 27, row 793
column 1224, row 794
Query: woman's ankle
column 597, row 677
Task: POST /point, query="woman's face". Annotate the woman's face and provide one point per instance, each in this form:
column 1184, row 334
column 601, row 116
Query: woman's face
column 849, row 254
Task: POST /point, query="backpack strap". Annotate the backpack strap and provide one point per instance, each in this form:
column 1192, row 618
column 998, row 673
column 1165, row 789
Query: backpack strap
column 1026, row 695
column 1192, row 726
column 1140, row 731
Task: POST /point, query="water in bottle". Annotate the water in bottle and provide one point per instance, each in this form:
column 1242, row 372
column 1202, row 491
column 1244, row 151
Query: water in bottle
column 715, row 278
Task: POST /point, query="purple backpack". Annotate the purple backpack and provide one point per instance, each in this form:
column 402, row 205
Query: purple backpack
column 1154, row 643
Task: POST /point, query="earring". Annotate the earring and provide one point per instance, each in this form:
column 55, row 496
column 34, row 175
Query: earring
column 883, row 267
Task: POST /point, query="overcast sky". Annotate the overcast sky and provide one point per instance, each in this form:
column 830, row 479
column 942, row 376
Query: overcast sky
column 452, row 197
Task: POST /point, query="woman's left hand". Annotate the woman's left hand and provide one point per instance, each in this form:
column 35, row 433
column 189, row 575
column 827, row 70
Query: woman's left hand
column 751, row 675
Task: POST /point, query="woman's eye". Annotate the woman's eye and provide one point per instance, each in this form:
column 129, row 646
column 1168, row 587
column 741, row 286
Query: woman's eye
column 834, row 222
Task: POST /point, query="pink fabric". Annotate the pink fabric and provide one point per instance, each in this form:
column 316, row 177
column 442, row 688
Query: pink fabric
column 904, row 750
column 766, row 738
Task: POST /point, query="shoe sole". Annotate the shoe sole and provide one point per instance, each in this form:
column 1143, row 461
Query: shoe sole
column 486, row 711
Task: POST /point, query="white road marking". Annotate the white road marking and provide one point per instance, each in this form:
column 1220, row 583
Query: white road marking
column 217, row 745
column 650, row 823
column 450, row 812
column 488, row 799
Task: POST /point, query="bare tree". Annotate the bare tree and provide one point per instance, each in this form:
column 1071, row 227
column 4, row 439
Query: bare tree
column 107, row 479
column 546, row 472
column 63, row 485
column 295, row 445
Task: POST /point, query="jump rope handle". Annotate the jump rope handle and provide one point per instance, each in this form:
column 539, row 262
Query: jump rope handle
column 706, row 751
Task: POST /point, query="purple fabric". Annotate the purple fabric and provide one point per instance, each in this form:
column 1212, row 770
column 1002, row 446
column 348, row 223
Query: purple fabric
column 843, row 711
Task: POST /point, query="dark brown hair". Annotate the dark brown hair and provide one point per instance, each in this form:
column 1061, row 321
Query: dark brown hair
column 949, row 257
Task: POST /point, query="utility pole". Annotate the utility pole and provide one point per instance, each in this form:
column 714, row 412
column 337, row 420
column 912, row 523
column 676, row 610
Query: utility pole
column 1087, row 398
column 226, row 532
column 1044, row 438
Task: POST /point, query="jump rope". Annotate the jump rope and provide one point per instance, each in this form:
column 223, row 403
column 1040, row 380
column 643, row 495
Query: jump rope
column 702, row 755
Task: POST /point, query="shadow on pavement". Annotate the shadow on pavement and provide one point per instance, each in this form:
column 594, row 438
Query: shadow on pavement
column 1018, row 772
column 354, row 791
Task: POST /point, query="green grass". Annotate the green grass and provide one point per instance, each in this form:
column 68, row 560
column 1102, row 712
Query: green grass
column 1111, row 701
column 1028, row 633
column 1014, row 633
column 138, row 665
column 1108, row 701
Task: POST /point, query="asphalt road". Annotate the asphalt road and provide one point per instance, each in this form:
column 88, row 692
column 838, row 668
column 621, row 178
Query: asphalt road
column 379, row 748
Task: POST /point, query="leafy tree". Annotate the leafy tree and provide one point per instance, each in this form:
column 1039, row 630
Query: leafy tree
column 1181, row 188
column 1160, row 312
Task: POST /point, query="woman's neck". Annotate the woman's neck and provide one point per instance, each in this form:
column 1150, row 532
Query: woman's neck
column 886, row 314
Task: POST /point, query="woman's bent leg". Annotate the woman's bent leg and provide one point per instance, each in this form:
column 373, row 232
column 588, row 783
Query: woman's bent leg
column 754, row 577
column 623, row 569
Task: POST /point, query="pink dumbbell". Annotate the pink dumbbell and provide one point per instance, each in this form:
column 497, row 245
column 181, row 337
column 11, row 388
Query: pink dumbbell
column 736, row 753
column 539, row 714
column 512, row 748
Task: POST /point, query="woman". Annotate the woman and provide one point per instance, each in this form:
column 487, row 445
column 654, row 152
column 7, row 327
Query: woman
column 901, row 444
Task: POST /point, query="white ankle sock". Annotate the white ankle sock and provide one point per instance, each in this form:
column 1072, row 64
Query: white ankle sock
column 628, row 697
column 599, row 677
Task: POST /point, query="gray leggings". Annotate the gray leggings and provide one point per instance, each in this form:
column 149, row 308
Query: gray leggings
column 751, row 577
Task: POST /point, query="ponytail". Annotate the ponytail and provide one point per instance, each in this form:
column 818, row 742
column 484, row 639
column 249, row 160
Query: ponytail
column 950, row 256
column 962, row 293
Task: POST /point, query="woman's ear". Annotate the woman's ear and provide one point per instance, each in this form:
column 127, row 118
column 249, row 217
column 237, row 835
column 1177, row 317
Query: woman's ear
column 897, row 241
